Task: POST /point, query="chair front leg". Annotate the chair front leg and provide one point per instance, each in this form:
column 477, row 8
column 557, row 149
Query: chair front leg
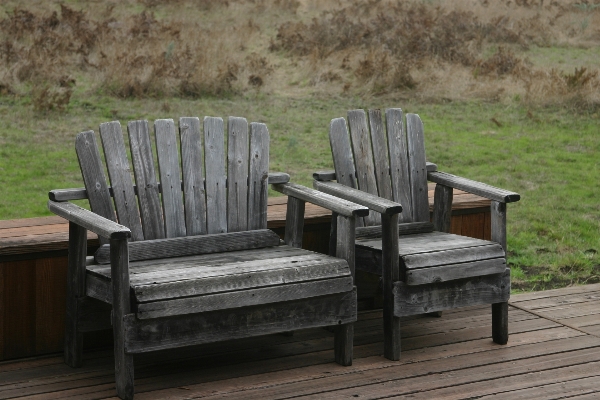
column 499, row 310
column 119, row 261
column 345, row 248
column 75, row 291
column 390, row 274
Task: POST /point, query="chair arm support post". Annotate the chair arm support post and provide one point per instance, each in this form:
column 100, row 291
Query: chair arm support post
column 390, row 274
column 442, row 208
column 75, row 290
column 294, row 222
column 498, row 223
column 344, row 241
column 119, row 270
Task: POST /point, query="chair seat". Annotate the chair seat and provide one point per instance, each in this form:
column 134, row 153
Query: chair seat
column 435, row 257
column 208, row 282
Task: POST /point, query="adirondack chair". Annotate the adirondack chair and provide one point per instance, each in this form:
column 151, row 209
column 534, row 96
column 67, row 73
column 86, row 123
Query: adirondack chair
column 194, row 262
column 424, row 268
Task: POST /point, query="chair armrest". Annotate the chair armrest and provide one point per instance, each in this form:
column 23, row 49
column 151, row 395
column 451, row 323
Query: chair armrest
column 478, row 188
column 342, row 207
column 375, row 203
column 431, row 167
column 99, row 225
column 327, row 175
column 278, row 177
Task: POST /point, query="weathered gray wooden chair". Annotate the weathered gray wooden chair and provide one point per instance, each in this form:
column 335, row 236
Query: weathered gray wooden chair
column 424, row 268
column 194, row 262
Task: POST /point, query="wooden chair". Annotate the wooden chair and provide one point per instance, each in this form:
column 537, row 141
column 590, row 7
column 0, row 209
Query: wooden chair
column 424, row 268
column 190, row 261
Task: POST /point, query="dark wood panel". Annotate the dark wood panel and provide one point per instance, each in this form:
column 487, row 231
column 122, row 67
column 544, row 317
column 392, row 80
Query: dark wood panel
column 51, row 283
column 19, row 309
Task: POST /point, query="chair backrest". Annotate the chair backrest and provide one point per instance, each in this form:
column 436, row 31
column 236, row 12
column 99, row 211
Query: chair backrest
column 389, row 163
column 201, row 192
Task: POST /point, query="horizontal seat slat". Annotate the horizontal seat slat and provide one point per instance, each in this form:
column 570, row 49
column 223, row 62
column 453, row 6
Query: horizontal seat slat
column 428, row 242
column 453, row 256
column 191, row 245
column 411, row 300
column 215, row 259
column 445, row 273
column 237, row 277
column 149, row 335
column 244, row 298
column 202, row 275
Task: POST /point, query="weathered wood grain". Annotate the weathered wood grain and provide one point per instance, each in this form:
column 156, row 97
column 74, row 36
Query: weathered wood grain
column 94, row 179
column 244, row 298
column 150, row 335
column 237, row 174
column 498, row 223
column 192, row 168
column 390, row 275
column 363, row 158
column 278, row 177
column 380, row 155
column 259, row 177
column 374, row 202
column 121, row 181
column 343, row 159
column 410, row 300
column 101, row 226
column 217, row 260
column 145, row 178
column 442, row 208
column 121, row 308
column 404, row 228
column 459, row 255
column 274, row 272
column 191, row 245
column 399, row 172
column 294, row 223
column 451, row 272
column 478, row 188
column 76, row 286
column 342, row 207
column 417, row 167
column 328, row 175
column 168, row 167
column 216, row 200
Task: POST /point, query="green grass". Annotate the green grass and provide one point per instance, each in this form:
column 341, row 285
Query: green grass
column 549, row 156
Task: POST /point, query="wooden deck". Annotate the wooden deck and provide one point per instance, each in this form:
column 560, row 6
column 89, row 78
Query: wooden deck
column 553, row 352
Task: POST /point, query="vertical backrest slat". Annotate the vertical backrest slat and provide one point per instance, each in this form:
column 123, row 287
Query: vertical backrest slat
column 168, row 168
column 237, row 174
column 258, row 190
column 193, row 179
column 401, row 189
column 214, row 150
column 145, row 180
column 363, row 158
column 380, row 155
column 119, row 173
column 343, row 160
column 417, row 167
column 93, row 176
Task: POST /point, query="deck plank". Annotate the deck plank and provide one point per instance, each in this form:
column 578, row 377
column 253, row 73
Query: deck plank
column 448, row 357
